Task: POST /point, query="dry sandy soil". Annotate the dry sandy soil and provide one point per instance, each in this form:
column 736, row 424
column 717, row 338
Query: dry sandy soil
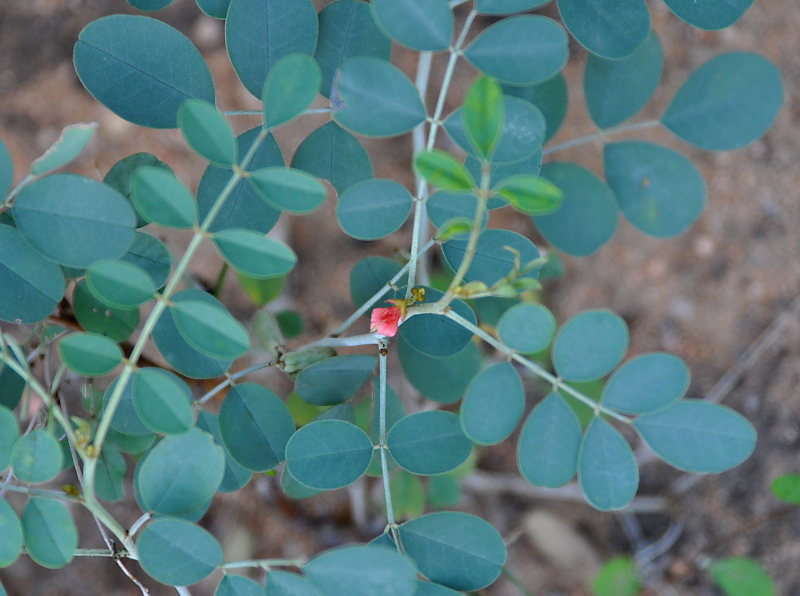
column 707, row 296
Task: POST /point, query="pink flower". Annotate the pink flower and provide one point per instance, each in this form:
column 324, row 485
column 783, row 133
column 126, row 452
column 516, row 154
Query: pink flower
column 385, row 320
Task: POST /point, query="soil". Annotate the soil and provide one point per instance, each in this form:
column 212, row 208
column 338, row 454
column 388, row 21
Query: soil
column 706, row 296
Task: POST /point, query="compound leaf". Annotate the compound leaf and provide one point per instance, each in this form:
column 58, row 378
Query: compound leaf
column 120, row 175
column 373, row 208
column 369, row 275
column 428, row 443
column 493, row 404
column 448, row 210
column 425, row 25
column 258, row 33
column 589, row 345
column 96, row 317
column 50, row 535
column 254, row 254
column 698, row 436
column 607, row 470
column 125, row 420
column 110, row 474
column 647, row 383
column 255, row 426
column 206, row 131
column 375, row 99
column 457, row 550
column 119, row 53
column 89, row 354
column 291, row 85
column 176, row 552
column 609, row 28
column 726, row 103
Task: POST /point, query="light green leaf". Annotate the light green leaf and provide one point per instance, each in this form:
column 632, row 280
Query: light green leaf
column 72, row 141
column 698, row 436
column 36, row 457
column 286, row 188
column 73, row 220
column 617, row 577
column 361, row 571
column 638, row 74
column 254, row 254
column 741, row 576
column 373, row 98
column 334, row 380
column 527, row 328
column 726, row 103
column 587, row 216
column 709, row 15
column 786, row 488
column 425, row 25
column 180, row 474
column 121, row 52
column 11, row 531
column 607, row 470
column 453, row 213
column 647, row 383
column 328, row 454
column 255, row 426
column 176, row 552
column 210, row 329
column 258, row 33
column 373, row 208
column 454, row 549
column 609, row 28
column 443, row 170
column 30, row 285
column 206, row 132
column 50, row 535
column 119, row 284
column 408, row 497
column 346, row 30
column 161, row 198
column 520, row 50
column 531, row 195
column 427, row 443
column 162, row 401
column 440, row 379
column 237, row 585
column 89, row 354
column 589, row 345
column 332, row 153
column 482, row 115
column 493, row 404
column 291, row 85
column 547, row 451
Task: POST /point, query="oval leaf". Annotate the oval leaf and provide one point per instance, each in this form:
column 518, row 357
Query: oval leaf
column 285, row 188
column 151, row 256
column 526, row 328
column 176, row 552
column 255, row 255
column 492, row 260
column 428, row 443
column 235, row 476
column 161, row 198
column 206, row 131
column 589, row 345
column 441, row 379
column 119, row 284
column 483, row 114
column 647, row 383
column 125, row 420
column 97, row 317
column 375, row 99
column 291, row 85
column 698, row 436
column 334, row 380
column 210, row 329
column 8, row 434
column 162, row 401
column 520, row 50
column 609, row 28
column 373, row 208
column 283, row 583
column 36, row 457
column 328, row 454
column 237, row 585
column 787, row 488
column 728, row 102
column 11, row 531
column 454, row 549
column 72, row 141
column 549, row 96
column 507, row 6
column 117, row 53
column 493, row 404
column 530, row 194
column 255, row 426
column 443, row 170
column 741, row 576
column 435, row 335
column 709, row 15
column 361, row 571
column 547, row 451
column 6, row 170
column 607, row 469
column 425, row 25
column 50, row 535
column 89, row 354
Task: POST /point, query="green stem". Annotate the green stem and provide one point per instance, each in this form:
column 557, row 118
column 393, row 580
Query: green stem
column 600, row 135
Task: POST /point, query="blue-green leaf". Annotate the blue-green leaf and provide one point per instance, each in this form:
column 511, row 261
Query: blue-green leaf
column 609, row 28
column 726, row 103
column 50, row 535
column 254, row 254
column 647, row 383
column 180, row 474
column 425, row 25
column 36, row 457
column 293, row 488
column 458, row 550
column 492, row 261
column 11, row 531
column 255, row 426
column 607, row 469
column 237, row 585
column 444, row 207
column 149, row 5
column 151, row 255
column 507, row 6
column 206, row 131
column 428, row 443
column 72, row 141
column 161, row 198
column 217, row 9
column 589, row 345
column 6, row 170
column 332, row 153
column 291, row 85
column 493, row 404
column 121, row 52
column 110, row 474
column 520, row 50
column 334, row 380
column 328, row 454
column 73, row 220
column 658, row 190
column 243, row 208
column 435, row 335
column 283, row 583
column 369, row 275
column 120, row 175
column 162, row 401
column 125, row 420
column 235, row 476
column 258, row 33
column 587, row 216
column 176, row 552
column 549, row 96
column 741, row 576
column 11, row 387
column 346, row 30
column 361, row 571
column 547, row 451
column 709, row 15
column 375, row 99
column 289, row 189
column 373, row 208
column 638, row 74
column 8, row 435
column 210, row 329
column 89, row 354
column 527, row 328
column 441, row 379
column 97, row 317
column 119, row 284
column 428, row 589
column 30, row 285
column 698, row 436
